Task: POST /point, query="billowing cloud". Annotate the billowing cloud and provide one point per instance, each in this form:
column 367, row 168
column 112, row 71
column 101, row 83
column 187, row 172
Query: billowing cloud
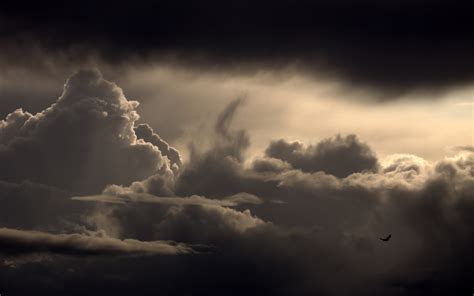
column 146, row 133
column 89, row 131
column 215, row 167
column 332, row 242
column 339, row 156
column 302, row 219
column 273, row 165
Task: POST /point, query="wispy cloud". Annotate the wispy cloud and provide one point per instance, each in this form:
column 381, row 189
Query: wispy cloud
column 231, row 201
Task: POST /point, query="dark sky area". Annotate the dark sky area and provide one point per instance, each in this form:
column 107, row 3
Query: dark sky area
column 394, row 46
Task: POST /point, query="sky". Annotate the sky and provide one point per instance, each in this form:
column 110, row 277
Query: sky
column 237, row 148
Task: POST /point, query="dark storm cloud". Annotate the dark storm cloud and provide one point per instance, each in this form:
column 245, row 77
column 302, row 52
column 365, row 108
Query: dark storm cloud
column 394, row 46
column 339, row 156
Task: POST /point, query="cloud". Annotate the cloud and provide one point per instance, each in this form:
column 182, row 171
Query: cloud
column 334, row 201
column 365, row 44
column 403, row 196
column 127, row 197
column 332, row 241
column 229, row 142
column 216, row 166
column 17, row 242
column 207, row 223
column 272, row 165
column 145, row 132
column 193, row 220
column 339, row 156
column 465, row 148
column 89, row 130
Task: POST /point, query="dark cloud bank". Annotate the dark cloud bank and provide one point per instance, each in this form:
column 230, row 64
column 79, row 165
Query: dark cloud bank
column 391, row 46
column 93, row 203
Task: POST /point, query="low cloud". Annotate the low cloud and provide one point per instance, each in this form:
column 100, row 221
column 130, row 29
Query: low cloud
column 17, row 242
column 231, row 201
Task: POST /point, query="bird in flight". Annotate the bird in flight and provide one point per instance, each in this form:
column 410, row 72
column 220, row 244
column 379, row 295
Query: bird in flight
column 386, row 239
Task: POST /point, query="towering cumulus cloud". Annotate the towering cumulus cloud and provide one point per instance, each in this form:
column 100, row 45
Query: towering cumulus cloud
column 91, row 202
column 82, row 142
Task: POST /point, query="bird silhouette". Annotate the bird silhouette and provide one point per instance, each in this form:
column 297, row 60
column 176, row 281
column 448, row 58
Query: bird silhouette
column 386, row 239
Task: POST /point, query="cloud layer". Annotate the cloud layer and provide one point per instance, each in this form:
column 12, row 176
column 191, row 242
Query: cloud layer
column 90, row 182
column 17, row 242
column 394, row 47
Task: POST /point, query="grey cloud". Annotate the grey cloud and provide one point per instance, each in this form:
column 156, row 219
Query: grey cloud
column 89, row 131
column 160, row 184
column 366, row 44
column 320, row 238
column 424, row 207
column 406, row 196
column 219, row 162
column 465, row 148
column 339, row 156
column 13, row 241
column 130, row 197
column 335, row 247
column 192, row 220
column 213, row 224
column 244, row 198
column 145, row 132
column 229, row 142
column 272, row 165
column 216, row 166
